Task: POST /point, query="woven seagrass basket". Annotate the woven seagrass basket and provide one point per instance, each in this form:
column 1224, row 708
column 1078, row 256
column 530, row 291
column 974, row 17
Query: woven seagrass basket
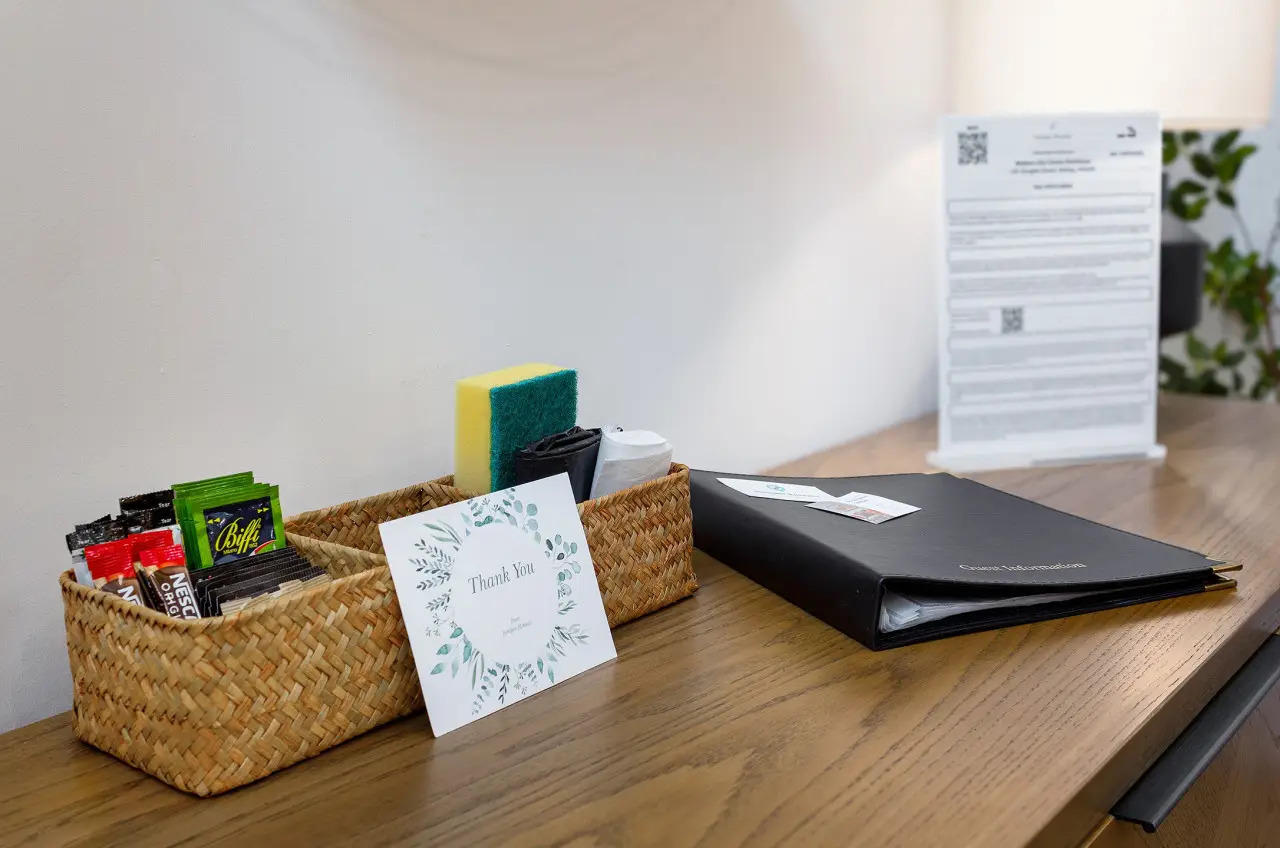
column 213, row 704
column 641, row 539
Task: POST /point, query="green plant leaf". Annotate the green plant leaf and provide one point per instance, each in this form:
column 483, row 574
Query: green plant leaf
column 1203, row 165
column 1190, row 137
column 1168, row 147
column 1197, row 349
column 1223, row 142
column 1225, row 197
column 1171, row 366
column 1189, row 186
column 1228, row 167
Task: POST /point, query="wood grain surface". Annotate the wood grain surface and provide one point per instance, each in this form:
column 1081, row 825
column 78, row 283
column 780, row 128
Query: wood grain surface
column 734, row 718
column 1234, row 804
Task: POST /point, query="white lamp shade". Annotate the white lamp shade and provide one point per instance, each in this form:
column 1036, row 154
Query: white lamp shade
column 1206, row 64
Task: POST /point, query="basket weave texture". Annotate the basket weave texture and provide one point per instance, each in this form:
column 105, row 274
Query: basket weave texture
column 216, row 703
column 641, row 538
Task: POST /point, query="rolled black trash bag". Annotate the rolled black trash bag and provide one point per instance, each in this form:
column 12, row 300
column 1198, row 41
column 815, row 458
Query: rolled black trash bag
column 572, row 451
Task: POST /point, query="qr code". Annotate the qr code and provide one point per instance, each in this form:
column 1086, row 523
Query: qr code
column 973, row 148
column 1011, row 319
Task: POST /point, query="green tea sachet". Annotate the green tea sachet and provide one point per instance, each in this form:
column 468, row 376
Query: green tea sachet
column 228, row 518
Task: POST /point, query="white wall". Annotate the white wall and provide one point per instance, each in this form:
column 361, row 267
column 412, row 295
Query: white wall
column 269, row 236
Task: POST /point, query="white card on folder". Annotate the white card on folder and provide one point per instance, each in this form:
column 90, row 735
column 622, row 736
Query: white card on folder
column 775, row 490
column 870, row 508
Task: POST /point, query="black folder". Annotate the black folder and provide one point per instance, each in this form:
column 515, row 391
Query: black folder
column 972, row 558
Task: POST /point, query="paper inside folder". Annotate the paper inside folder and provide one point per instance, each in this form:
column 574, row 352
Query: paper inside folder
column 899, row 611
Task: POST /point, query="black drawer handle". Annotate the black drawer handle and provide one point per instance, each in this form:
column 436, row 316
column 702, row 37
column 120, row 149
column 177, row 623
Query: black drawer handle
column 1156, row 792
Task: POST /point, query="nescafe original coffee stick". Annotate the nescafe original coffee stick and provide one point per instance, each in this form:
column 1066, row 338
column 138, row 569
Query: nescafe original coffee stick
column 111, row 565
column 165, row 570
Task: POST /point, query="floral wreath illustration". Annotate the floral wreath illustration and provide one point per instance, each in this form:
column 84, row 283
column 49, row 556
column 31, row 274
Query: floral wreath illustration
column 491, row 679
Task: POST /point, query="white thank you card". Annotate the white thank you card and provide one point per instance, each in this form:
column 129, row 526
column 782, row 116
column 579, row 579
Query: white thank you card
column 499, row 597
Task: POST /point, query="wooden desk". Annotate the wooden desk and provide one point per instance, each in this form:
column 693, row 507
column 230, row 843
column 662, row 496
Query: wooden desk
column 735, row 718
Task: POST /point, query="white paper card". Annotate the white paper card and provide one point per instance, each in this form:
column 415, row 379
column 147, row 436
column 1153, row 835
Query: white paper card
column 499, row 597
column 864, row 507
column 776, row 491
column 1049, row 298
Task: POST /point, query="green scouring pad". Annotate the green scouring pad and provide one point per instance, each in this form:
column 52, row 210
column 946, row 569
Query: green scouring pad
column 501, row 412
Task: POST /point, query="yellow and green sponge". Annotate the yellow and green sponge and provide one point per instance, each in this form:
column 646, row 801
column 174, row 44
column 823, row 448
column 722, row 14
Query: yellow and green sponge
column 501, row 412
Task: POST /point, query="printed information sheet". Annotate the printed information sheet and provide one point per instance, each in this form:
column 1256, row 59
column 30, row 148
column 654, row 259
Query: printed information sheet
column 1049, row 311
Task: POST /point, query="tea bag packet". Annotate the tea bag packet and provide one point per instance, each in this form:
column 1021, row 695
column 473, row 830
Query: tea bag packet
column 209, row 580
column 288, row 587
column 100, row 530
column 227, row 518
column 160, row 500
column 160, row 518
column 274, row 584
column 151, row 511
column 164, row 570
column 78, row 566
column 184, row 493
column 111, row 564
column 234, row 523
column 247, row 578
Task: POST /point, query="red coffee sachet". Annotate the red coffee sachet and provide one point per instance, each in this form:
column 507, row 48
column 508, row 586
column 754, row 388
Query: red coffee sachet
column 111, row 566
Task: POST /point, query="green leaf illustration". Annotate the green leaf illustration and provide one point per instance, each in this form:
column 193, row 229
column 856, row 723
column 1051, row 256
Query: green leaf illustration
column 532, row 509
column 439, row 668
column 457, row 631
column 444, row 649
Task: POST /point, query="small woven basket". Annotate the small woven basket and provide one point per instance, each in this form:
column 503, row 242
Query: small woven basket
column 641, row 538
column 216, row 703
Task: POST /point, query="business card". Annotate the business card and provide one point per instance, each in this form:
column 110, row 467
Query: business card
column 499, row 597
column 870, row 508
column 776, row 491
